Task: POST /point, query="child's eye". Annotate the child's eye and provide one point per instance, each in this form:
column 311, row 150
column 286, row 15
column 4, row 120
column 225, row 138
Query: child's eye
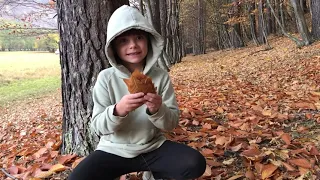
column 123, row 40
column 140, row 37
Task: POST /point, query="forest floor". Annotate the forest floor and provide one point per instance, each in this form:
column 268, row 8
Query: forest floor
column 253, row 113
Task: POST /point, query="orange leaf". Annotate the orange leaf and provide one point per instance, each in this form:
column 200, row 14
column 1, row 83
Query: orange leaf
column 208, row 171
column 214, row 163
column 268, row 170
column 288, row 166
column 66, row 158
column 221, row 140
column 207, row 151
column 43, row 174
column 235, row 177
column 250, row 175
column 220, row 110
column 58, row 168
column 195, row 122
column 236, row 148
column 207, row 126
column 39, row 153
column 267, row 112
column 301, row 163
column 305, row 105
column 76, row 162
column 314, row 151
column 286, row 138
column 139, row 82
column 251, row 152
column 13, row 170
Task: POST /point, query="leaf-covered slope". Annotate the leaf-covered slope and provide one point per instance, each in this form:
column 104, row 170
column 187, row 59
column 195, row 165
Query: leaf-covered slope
column 252, row 113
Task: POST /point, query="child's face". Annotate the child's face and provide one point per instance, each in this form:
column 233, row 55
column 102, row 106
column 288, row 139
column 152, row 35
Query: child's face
column 132, row 47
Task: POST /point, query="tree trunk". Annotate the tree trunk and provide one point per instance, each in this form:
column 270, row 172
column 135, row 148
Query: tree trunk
column 263, row 26
column 235, row 35
column 82, row 27
column 141, row 7
column 156, row 22
column 315, row 8
column 297, row 41
column 200, row 39
column 301, row 23
column 163, row 18
column 173, row 44
column 260, row 23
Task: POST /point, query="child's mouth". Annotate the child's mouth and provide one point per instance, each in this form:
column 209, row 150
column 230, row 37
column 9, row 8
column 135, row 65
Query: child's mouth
column 133, row 54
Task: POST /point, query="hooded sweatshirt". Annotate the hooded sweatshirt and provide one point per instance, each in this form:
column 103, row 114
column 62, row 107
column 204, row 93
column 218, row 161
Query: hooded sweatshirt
column 138, row 132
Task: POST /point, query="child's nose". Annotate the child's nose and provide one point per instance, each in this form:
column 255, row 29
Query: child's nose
column 133, row 43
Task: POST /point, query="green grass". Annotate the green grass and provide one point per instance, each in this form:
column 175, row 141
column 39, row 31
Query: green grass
column 27, row 74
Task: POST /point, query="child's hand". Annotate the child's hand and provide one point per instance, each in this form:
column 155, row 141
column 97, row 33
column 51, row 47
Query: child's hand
column 153, row 102
column 129, row 103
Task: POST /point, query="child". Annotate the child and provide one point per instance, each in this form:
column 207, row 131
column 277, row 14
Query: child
column 129, row 125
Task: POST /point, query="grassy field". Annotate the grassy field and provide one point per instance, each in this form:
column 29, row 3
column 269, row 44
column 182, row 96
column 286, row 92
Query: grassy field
column 26, row 74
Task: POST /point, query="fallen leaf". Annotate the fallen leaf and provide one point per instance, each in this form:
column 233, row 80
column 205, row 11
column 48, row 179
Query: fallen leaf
column 76, row 162
column 288, row 166
column 208, row 171
column 43, row 174
column 236, row 148
column 66, row 158
column 40, row 152
column 219, row 110
column 301, row 163
column 235, row 177
column 207, row 151
column 250, row 175
column 286, row 138
column 207, row 126
column 13, row 170
column 268, row 170
column 221, row 140
column 228, row 162
column 58, row 168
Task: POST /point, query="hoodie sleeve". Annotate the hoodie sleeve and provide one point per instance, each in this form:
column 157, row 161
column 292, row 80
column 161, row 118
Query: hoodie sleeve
column 167, row 117
column 103, row 121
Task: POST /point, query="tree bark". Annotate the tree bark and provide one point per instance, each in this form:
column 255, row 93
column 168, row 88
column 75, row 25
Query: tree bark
column 156, row 21
column 315, row 8
column 141, row 7
column 82, row 27
column 301, row 23
column 200, row 39
column 260, row 23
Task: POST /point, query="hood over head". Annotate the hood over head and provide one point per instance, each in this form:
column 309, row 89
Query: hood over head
column 126, row 18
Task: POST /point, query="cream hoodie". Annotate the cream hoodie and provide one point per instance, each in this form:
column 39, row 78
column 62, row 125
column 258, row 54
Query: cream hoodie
column 137, row 132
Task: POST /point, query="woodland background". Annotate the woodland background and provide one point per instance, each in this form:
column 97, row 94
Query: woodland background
column 250, row 103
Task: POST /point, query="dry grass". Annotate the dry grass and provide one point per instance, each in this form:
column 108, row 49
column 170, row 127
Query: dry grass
column 27, row 74
column 27, row 65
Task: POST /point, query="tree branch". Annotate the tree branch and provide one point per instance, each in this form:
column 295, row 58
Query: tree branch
column 7, row 174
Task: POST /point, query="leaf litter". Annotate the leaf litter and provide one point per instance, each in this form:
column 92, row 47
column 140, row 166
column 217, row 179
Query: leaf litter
column 253, row 114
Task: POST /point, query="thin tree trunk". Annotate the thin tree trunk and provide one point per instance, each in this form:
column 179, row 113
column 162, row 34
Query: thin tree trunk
column 315, row 7
column 297, row 41
column 301, row 23
column 141, row 7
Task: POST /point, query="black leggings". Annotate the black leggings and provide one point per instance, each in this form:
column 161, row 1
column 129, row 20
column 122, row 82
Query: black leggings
column 170, row 161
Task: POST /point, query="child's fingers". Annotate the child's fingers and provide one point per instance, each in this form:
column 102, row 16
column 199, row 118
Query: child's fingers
column 136, row 95
column 137, row 101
